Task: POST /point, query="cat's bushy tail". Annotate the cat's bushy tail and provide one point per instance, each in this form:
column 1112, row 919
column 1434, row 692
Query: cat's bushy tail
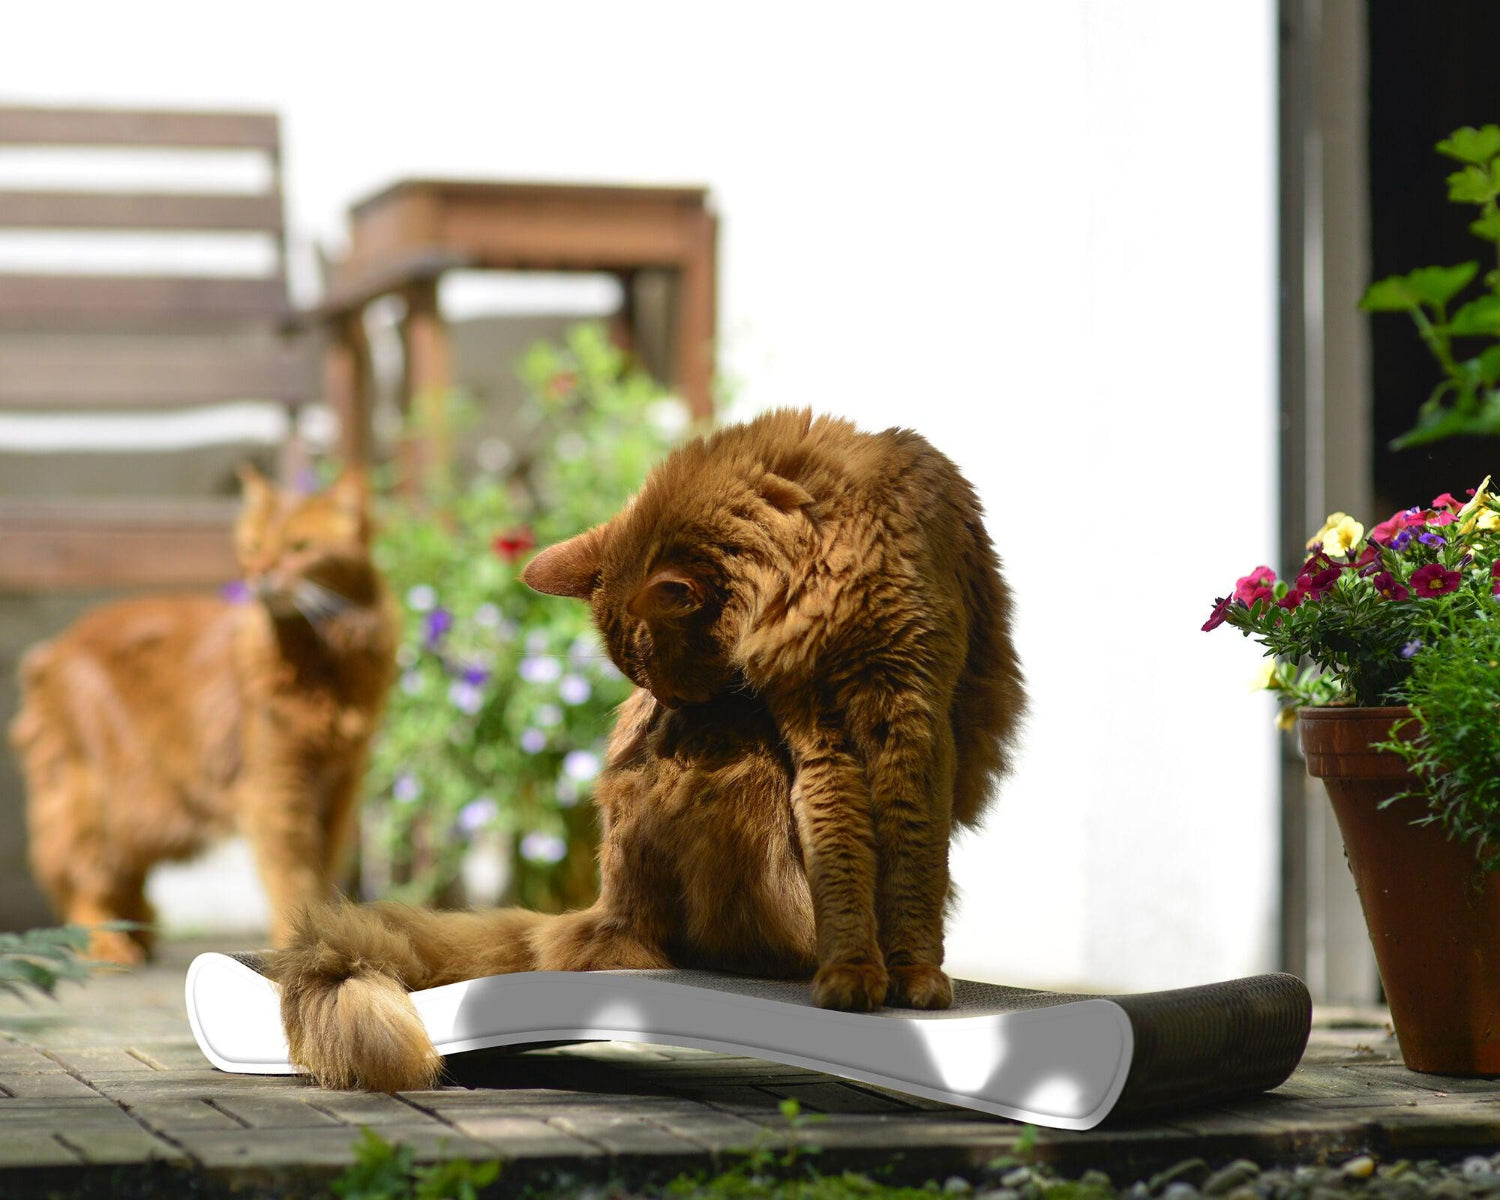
column 347, row 970
column 344, row 981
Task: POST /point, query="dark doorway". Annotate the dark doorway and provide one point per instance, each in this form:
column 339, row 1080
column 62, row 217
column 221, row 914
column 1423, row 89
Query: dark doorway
column 1432, row 69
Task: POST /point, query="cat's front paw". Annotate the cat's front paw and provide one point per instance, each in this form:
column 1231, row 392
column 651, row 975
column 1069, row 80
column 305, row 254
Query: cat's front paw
column 918, row 985
column 851, row 986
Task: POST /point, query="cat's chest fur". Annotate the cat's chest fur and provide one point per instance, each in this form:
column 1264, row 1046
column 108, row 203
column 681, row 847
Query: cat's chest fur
column 700, row 838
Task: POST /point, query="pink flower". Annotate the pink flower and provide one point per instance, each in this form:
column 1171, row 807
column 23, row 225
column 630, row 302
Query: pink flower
column 1434, row 580
column 1390, row 587
column 1388, row 529
column 1221, row 610
column 1296, row 595
column 1442, row 518
column 1255, row 586
column 1446, row 500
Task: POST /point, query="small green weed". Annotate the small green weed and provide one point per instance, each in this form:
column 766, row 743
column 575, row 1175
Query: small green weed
column 40, row 959
column 386, row 1171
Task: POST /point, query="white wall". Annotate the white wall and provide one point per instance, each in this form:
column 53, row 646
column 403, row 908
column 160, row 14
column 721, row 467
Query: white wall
column 1042, row 234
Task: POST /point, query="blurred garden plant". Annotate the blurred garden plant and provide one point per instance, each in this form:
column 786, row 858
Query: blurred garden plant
column 498, row 722
column 1467, row 399
column 1408, row 614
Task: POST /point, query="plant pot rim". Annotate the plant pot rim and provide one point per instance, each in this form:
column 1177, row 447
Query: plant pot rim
column 1332, row 712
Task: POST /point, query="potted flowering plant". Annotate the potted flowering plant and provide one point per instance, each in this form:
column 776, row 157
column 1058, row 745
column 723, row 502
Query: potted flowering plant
column 1385, row 651
column 495, row 731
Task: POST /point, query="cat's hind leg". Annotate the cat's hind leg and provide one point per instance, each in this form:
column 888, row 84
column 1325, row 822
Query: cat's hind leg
column 910, row 756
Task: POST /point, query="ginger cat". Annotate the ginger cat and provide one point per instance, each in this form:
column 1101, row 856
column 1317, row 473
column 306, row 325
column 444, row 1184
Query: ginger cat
column 154, row 725
column 818, row 624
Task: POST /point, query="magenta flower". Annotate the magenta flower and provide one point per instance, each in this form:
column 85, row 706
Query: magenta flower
column 1221, row 610
column 1390, row 587
column 1255, row 586
column 1294, row 597
column 1317, row 584
column 1434, row 580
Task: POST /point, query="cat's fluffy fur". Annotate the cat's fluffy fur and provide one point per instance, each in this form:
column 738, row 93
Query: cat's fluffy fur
column 155, row 724
column 836, row 590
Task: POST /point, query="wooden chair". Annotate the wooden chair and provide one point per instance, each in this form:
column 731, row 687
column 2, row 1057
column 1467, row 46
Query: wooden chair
column 118, row 343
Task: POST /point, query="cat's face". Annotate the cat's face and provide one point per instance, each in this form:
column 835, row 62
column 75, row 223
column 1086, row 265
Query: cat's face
column 305, row 554
column 668, row 578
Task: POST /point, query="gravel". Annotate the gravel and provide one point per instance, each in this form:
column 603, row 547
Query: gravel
column 1362, row 1176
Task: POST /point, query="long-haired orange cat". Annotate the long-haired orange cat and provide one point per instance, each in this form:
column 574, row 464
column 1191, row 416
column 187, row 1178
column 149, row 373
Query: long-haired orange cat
column 153, row 725
column 818, row 625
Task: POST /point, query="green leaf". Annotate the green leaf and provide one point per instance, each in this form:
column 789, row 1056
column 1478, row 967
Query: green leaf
column 1472, row 185
column 1438, row 285
column 1480, row 316
column 1389, row 295
column 1489, row 366
column 1449, row 422
column 1472, row 145
column 1487, row 227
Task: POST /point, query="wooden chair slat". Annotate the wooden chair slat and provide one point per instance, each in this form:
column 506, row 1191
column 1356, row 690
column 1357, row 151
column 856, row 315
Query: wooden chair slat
column 140, row 210
column 22, row 125
column 94, row 544
column 83, row 373
column 99, row 301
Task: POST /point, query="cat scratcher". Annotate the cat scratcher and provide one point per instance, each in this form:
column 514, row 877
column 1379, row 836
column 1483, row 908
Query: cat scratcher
column 1066, row 1061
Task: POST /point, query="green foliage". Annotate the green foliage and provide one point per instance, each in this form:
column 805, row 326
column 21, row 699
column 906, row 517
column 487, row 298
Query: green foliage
column 40, row 959
column 498, row 721
column 1467, row 399
column 383, row 1171
column 1452, row 744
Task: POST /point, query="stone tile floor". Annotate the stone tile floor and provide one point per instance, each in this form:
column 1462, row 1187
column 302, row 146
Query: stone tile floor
column 104, row 1092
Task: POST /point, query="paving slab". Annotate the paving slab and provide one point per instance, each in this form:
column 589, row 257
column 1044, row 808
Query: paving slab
column 104, row 1092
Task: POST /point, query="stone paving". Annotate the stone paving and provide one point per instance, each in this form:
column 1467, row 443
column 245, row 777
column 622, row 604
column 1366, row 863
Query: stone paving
column 104, row 1092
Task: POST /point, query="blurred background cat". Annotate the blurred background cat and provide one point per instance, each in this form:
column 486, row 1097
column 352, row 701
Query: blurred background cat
column 156, row 724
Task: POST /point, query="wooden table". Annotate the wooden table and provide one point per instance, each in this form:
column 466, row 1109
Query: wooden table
column 407, row 236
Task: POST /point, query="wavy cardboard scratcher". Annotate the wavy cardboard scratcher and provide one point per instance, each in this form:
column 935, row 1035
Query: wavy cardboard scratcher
column 1065, row 1061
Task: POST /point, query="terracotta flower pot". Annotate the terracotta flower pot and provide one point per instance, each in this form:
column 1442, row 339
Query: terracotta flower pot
column 1433, row 918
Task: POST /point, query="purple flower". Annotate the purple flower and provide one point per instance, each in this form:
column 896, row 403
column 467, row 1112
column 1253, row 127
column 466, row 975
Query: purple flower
column 439, row 622
column 533, row 741
column 1411, row 648
column 237, row 591
column 406, row 788
column 476, row 814
column 465, row 697
column 573, row 689
column 539, row 847
column 475, row 674
column 581, row 765
column 540, row 670
column 1401, row 541
column 1432, row 539
column 421, row 598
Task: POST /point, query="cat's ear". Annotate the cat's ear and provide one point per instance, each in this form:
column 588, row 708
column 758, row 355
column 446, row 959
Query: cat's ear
column 350, row 494
column 783, row 493
column 570, row 568
column 670, row 594
column 351, row 491
column 255, row 489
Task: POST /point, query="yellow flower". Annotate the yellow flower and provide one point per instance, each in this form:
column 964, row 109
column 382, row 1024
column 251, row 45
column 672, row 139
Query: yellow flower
column 1264, row 676
column 1339, row 535
column 1481, row 494
column 1489, row 519
column 1286, row 719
